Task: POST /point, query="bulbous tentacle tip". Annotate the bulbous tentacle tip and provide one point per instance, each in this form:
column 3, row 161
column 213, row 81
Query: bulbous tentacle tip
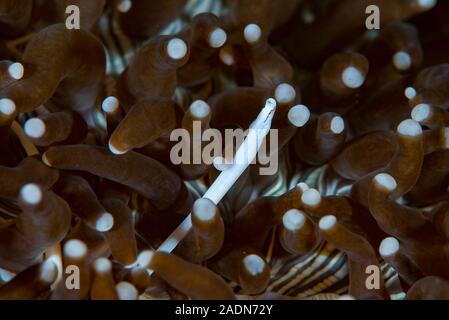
column 48, row 271
column 200, row 109
column 16, row 70
column 110, row 104
column 115, row 150
column 303, row 186
column 402, row 61
column 105, row 222
column 252, row 33
column 386, row 181
column 299, row 115
column 327, row 222
column 353, row 78
column 388, row 247
column 204, row 209
column 177, row 49
column 254, row 264
column 126, row 291
column 102, row 265
column 293, row 220
column 337, row 125
column 75, row 249
column 285, row 93
column 409, row 127
column 7, row 106
column 421, row 112
column 31, row 194
column 410, row 93
column 34, row 128
column 311, row 197
column 217, row 38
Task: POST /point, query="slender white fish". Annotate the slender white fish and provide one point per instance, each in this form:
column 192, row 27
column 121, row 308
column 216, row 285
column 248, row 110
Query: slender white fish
column 224, row 182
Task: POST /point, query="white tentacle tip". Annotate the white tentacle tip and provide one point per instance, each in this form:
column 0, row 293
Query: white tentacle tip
column 199, row 109
column 75, row 249
column 303, row 186
column 299, row 115
column 327, row 222
column 252, row 33
column 386, row 181
column 285, row 93
column 410, row 128
column 217, row 38
column 353, row 78
column 48, row 271
column 421, row 112
column 124, row 6
column 16, row 71
column 31, row 194
column 311, row 197
column 144, row 259
column 337, row 125
column 102, row 265
column 176, row 49
column 7, row 106
column 254, row 264
column 293, row 220
column 115, row 150
column 204, row 209
column 126, row 291
column 410, row 93
column 388, row 247
column 105, row 222
column 402, row 60
column 34, row 128
column 110, row 104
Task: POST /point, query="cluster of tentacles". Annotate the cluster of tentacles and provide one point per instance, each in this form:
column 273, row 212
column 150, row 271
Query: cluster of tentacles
column 86, row 180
